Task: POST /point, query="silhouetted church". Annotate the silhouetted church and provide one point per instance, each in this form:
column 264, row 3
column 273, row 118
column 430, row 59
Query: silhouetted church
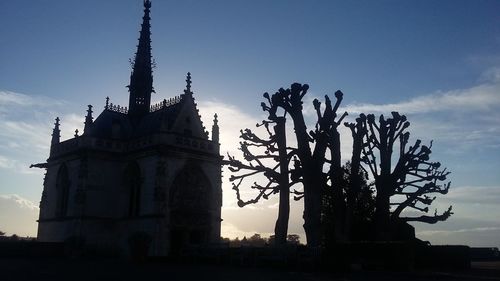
column 149, row 170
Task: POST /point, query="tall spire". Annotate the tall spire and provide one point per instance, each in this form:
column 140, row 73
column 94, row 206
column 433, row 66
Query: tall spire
column 141, row 79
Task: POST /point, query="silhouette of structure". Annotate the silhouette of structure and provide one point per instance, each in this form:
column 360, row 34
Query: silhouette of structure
column 146, row 172
column 412, row 176
column 273, row 149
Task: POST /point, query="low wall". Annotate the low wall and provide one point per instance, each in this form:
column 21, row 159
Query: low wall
column 31, row 249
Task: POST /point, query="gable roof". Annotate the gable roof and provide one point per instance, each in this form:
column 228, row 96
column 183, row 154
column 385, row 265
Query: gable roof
column 178, row 115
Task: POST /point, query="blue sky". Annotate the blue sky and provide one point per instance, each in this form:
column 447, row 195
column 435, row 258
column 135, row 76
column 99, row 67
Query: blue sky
column 436, row 61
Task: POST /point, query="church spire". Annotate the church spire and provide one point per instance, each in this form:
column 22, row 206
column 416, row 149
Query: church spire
column 141, row 79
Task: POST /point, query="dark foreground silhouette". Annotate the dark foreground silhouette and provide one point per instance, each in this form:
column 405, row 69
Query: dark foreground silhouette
column 112, row 269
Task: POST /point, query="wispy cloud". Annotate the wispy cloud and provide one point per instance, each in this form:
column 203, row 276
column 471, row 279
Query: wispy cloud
column 20, row 201
column 483, row 236
column 462, row 120
column 483, row 97
column 4, row 162
column 463, row 230
column 16, row 165
column 475, row 195
column 25, row 128
column 491, row 75
column 474, row 221
column 18, row 215
column 8, row 98
column 231, row 120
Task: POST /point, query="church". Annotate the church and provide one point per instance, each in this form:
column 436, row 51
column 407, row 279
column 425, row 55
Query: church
column 146, row 170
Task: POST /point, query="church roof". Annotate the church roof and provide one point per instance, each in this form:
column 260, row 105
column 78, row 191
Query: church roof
column 115, row 122
column 176, row 117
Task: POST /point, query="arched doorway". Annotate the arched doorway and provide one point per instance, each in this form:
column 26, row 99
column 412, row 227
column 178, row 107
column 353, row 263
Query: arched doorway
column 190, row 214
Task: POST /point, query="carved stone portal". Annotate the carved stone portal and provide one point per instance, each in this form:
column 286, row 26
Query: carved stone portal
column 190, row 210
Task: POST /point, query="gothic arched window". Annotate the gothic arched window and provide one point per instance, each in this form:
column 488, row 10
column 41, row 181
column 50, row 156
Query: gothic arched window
column 191, row 191
column 133, row 182
column 62, row 191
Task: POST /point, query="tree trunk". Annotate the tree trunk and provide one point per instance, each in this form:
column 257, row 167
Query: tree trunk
column 354, row 182
column 312, row 176
column 384, row 187
column 312, row 213
column 281, row 228
column 382, row 215
column 336, row 175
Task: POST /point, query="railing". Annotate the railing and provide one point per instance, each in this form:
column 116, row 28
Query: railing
column 117, row 108
column 155, row 107
column 165, row 103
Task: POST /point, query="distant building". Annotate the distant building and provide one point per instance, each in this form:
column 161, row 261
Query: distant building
column 149, row 169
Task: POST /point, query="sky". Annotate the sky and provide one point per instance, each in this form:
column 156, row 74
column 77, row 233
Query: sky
column 438, row 62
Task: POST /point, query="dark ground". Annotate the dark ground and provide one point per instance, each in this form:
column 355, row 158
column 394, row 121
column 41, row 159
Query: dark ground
column 64, row 269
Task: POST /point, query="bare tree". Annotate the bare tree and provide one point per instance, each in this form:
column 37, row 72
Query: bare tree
column 353, row 192
column 308, row 168
column 308, row 164
column 269, row 157
column 412, row 177
column 326, row 135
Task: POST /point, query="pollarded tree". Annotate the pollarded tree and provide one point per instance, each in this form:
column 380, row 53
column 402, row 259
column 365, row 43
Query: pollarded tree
column 354, row 192
column 270, row 158
column 412, row 177
column 308, row 168
column 326, row 131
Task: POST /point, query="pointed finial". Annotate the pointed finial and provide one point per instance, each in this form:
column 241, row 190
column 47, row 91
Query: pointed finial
column 56, row 133
column 147, row 4
column 188, row 83
column 215, row 129
column 76, row 133
column 88, row 120
column 107, row 103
